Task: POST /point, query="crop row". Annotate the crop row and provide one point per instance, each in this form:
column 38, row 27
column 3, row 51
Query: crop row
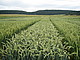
column 71, row 32
column 74, row 22
column 40, row 41
column 12, row 26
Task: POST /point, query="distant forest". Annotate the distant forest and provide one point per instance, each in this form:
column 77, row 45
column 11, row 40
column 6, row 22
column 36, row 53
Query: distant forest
column 42, row 12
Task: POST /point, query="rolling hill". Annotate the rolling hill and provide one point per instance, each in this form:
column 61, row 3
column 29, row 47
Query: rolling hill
column 42, row 12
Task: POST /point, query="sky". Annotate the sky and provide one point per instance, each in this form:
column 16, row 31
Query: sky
column 34, row 5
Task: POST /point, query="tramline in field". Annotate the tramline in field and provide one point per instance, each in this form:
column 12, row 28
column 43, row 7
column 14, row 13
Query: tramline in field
column 45, row 38
column 39, row 42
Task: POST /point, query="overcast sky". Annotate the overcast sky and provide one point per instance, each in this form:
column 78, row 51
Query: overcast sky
column 33, row 5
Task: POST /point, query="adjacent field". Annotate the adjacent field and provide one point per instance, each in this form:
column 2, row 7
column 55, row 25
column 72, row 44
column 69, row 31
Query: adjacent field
column 54, row 37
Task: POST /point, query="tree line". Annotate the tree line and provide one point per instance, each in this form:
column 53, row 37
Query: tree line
column 42, row 12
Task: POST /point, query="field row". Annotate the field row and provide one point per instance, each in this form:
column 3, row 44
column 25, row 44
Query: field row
column 12, row 26
column 71, row 32
column 41, row 41
column 41, row 38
